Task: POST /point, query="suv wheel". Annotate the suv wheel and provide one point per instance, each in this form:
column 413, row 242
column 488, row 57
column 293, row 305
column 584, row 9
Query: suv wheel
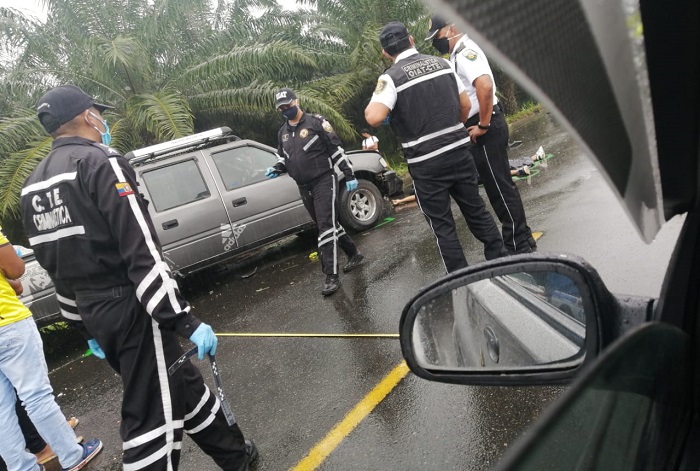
column 360, row 209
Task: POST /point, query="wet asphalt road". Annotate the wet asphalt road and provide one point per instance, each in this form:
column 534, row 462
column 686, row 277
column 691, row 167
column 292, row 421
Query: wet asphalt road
column 288, row 393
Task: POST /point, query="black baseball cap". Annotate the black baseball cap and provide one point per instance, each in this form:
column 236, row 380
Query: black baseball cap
column 392, row 33
column 61, row 104
column 435, row 25
column 284, row 97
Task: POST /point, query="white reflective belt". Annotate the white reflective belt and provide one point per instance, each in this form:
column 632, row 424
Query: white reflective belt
column 423, row 79
column 432, row 135
column 440, row 151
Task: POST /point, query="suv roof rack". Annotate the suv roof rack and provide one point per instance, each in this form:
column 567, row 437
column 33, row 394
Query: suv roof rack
column 183, row 143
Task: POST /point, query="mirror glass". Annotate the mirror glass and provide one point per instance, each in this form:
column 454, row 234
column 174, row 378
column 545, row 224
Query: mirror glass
column 509, row 322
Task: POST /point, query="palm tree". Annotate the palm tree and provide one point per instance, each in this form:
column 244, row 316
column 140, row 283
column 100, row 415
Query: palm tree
column 171, row 67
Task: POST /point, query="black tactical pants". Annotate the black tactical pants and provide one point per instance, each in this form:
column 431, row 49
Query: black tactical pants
column 320, row 200
column 157, row 408
column 491, row 157
column 454, row 175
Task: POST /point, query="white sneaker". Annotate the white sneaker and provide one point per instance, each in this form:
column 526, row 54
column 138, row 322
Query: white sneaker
column 525, row 170
column 539, row 155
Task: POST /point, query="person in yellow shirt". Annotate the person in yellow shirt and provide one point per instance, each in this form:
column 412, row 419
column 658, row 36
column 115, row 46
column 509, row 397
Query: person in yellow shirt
column 23, row 367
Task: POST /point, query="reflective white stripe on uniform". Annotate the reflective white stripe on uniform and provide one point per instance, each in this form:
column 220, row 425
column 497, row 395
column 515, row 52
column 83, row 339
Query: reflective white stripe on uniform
column 70, row 315
column 208, row 420
column 64, row 300
column 149, row 460
column 147, row 281
column 500, row 194
column 423, row 79
column 335, row 229
column 202, row 401
column 148, row 436
column 162, row 369
column 63, row 177
column 430, row 223
column 308, row 144
column 432, row 135
column 440, row 151
column 170, row 287
column 322, row 236
column 59, row 234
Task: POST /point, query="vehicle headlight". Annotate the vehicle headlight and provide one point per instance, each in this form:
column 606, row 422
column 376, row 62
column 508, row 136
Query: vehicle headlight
column 383, row 162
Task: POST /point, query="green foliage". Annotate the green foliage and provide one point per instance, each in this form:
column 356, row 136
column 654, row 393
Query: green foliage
column 172, row 67
column 526, row 109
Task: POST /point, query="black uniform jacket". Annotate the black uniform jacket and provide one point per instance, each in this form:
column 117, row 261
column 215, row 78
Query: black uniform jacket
column 310, row 149
column 90, row 229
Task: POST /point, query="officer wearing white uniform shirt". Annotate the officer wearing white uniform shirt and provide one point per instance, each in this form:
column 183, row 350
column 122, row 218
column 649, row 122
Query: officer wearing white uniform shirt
column 427, row 106
column 488, row 129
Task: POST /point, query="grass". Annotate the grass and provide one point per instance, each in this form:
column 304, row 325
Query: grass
column 527, row 109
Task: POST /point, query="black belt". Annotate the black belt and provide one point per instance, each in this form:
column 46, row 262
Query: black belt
column 474, row 120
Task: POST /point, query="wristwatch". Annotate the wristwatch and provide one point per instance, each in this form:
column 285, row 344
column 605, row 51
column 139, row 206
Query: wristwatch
column 485, row 127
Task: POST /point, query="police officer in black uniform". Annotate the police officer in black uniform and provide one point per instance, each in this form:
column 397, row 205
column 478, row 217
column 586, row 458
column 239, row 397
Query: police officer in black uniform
column 488, row 130
column 309, row 150
column 91, row 231
column 427, row 106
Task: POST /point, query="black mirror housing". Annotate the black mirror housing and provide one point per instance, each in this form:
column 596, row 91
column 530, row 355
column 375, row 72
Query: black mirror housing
column 502, row 326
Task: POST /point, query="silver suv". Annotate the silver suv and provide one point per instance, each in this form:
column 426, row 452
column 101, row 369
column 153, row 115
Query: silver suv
column 210, row 201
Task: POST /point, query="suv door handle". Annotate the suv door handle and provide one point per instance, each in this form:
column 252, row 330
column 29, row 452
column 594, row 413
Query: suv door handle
column 170, row 224
column 239, row 202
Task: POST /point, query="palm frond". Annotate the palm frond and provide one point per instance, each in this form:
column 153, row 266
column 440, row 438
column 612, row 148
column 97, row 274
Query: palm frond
column 165, row 114
column 16, row 132
column 15, row 170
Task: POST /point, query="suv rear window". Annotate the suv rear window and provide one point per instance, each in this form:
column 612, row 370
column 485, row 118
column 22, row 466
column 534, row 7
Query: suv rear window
column 175, row 185
column 242, row 166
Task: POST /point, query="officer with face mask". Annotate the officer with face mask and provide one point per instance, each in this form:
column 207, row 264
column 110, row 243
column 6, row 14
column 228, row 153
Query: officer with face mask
column 90, row 229
column 308, row 149
column 488, row 130
column 427, row 106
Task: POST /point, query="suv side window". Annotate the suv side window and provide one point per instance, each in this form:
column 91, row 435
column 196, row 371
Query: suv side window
column 242, row 166
column 175, row 185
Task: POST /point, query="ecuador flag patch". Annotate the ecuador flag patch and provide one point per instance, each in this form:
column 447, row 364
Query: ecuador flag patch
column 124, row 189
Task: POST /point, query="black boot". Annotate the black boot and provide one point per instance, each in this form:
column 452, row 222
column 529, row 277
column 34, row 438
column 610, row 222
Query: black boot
column 331, row 285
column 353, row 262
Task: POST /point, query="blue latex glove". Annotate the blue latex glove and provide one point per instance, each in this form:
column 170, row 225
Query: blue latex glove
column 96, row 349
column 271, row 172
column 351, row 185
column 205, row 340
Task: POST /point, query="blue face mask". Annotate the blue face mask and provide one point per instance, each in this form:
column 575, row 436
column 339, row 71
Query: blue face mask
column 105, row 136
column 290, row 112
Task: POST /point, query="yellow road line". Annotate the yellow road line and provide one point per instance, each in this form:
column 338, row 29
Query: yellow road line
column 326, row 446
column 281, row 334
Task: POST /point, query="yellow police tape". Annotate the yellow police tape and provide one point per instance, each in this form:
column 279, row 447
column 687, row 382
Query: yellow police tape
column 281, row 334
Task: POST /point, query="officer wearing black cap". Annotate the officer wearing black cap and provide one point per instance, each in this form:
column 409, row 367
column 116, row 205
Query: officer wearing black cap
column 427, row 107
column 488, row 130
column 308, row 149
column 91, row 231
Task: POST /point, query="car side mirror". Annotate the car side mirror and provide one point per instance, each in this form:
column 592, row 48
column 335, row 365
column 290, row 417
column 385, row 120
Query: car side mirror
column 530, row 319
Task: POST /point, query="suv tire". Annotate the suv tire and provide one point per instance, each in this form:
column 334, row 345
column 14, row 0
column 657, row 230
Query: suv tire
column 361, row 208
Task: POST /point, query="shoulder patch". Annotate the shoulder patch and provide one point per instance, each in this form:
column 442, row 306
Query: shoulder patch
column 381, row 84
column 124, row 189
column 327, row 126
column 470, row 54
